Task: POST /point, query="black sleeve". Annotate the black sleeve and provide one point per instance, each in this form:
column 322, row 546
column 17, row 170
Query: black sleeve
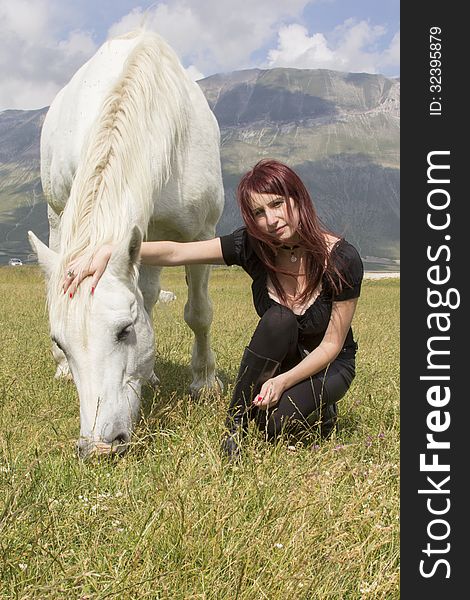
column 234, row 247
column 352, row 270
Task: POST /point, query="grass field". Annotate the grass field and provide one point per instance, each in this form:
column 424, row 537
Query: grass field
column 170, row 520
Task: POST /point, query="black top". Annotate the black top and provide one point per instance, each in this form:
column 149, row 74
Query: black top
column 237, row 249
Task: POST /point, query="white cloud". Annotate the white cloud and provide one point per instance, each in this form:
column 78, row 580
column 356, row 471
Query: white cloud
column 194, row 73
column 209, row 37
column 126, row 23
column 22, row 94
column 352, row 46
column 39, row 53
column 26, row 18
column 391, row 56
column 78, row 44
column 296, row 49
column 35, row 62
column 214, row 35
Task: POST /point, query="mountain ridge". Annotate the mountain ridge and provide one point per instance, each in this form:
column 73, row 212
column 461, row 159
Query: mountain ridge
column 339, row 131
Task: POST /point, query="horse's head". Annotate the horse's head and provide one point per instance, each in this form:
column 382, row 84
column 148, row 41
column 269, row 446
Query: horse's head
column 108, row 341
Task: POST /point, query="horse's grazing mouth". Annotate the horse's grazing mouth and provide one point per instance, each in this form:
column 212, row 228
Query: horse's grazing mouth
column 89, row 450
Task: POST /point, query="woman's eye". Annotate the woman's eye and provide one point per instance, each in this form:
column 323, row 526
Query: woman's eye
column 123, row 333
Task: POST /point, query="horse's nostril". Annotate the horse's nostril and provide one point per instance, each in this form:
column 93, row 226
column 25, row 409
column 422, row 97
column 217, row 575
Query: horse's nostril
column 83, row 447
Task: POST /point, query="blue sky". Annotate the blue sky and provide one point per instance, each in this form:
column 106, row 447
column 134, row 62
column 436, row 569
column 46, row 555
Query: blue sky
column 43, row 42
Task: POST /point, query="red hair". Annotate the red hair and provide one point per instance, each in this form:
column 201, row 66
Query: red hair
column 273, row 177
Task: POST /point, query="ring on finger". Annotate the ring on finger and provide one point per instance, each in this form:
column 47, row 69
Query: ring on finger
column 70, row 274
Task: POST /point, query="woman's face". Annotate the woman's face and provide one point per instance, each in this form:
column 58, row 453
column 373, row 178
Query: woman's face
column 272, row 217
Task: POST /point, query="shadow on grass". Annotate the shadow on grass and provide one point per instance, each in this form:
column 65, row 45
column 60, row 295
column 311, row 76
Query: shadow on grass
column 317, row 432
column 173, row 391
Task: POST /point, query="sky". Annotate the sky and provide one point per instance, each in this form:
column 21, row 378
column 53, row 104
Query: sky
column 43, row 42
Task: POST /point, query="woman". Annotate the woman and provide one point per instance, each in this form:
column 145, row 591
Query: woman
column 306, row 282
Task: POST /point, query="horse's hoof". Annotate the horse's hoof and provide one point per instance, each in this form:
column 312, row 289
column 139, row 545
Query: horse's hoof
column 198, row 391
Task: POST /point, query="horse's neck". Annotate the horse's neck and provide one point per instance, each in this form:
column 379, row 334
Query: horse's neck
column 84, row 235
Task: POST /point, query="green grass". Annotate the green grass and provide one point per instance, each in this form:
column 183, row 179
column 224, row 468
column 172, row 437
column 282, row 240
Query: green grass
column 169, row 520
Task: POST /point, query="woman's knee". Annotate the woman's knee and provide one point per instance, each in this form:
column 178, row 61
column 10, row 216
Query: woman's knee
column 277, row 326
column 320, row 422
column 334, row 383
column 285, row 417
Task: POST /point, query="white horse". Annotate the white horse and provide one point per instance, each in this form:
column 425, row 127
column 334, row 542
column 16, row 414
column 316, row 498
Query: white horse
column 128, row 147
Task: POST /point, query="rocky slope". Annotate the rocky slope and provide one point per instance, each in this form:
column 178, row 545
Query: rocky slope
column 340, row 131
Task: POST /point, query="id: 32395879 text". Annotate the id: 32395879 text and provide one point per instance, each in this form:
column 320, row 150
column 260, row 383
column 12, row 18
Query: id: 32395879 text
column 435, row 71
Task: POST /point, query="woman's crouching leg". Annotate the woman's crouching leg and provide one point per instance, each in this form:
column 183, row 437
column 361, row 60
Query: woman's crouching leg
column 309, row 406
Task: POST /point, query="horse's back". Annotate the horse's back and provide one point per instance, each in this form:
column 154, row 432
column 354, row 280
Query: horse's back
column 194, row 198
column 72, row 114
column 195, row 187
column 75, row 109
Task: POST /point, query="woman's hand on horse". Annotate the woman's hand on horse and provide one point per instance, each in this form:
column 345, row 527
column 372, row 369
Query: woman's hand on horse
column 270, row 393
column 81, row 267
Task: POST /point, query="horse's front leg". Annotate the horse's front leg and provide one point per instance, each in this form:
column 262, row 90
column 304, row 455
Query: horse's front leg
column 149, row 284
column 198, row 316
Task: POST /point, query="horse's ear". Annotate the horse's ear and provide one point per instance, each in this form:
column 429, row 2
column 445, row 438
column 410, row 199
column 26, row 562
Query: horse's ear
column 126, row 254
column 47, row 258
column 135, row 242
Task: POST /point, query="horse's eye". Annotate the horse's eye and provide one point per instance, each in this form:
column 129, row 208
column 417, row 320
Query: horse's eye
column 123, row 333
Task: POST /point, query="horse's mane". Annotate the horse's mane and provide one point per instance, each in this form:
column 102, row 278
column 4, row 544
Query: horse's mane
column 120, row 167
column 118, row 156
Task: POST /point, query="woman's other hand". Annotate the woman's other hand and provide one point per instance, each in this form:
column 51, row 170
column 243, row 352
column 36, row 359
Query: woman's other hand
column 270, row 393
column 82, row 267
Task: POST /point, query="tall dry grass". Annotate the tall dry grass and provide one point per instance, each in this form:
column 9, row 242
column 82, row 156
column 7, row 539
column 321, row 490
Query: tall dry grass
column 170, row 520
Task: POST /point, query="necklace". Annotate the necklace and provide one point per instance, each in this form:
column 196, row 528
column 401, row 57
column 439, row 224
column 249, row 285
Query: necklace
column 293, row 257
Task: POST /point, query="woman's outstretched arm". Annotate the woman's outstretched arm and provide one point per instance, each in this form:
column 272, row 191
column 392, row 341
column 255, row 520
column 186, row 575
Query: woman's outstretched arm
column 162, row 254
column 172, row 254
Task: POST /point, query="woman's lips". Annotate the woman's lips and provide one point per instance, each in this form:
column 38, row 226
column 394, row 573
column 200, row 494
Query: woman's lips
column 277, row 233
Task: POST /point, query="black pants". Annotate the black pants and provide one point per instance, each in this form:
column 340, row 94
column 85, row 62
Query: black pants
column 311, row 404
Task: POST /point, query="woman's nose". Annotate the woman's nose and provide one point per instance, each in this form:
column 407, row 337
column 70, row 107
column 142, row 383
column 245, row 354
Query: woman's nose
column 271, row 217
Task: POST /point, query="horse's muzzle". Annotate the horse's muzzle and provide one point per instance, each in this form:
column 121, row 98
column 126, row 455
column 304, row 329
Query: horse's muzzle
column 88, row 449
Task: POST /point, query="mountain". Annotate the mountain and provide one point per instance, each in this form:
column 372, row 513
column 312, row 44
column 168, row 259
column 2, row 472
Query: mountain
column 339, row 131
column 22, row 205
